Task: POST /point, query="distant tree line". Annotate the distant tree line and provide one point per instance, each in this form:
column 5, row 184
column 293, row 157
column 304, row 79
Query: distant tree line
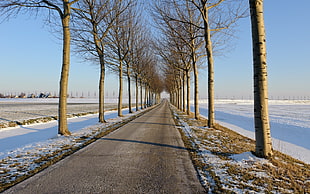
column 114, row 35
column 32, row 95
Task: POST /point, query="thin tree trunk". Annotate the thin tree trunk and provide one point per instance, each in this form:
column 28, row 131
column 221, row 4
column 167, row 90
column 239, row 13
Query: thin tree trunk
column 63, row 90
column 211, row 115
column 145, row 96
column 99, row 50
column 137, row 93
column 141, row 92
column 183, row 91
column 261, row 116
column 188, row 84
column 196, row 93
column 120, row 91
column 129, row 90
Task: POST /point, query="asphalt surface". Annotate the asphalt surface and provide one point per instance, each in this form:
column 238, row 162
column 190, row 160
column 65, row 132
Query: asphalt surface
column 145, row 156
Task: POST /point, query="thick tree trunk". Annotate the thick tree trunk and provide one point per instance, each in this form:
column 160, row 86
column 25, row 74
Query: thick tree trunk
column 262, row 126
column 120, row 91
column 101, row 91
column 63, row 90
column 211, row 115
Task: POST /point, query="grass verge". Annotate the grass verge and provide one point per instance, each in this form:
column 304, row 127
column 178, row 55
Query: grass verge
column 225, row 163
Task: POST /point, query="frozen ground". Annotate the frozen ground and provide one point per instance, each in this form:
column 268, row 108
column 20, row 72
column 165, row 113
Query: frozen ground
column 289, row 121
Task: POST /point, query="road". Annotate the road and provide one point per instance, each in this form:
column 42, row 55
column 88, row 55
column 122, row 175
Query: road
column 145, row 156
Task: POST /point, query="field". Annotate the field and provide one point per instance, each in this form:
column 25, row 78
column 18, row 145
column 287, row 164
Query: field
column 289, row 122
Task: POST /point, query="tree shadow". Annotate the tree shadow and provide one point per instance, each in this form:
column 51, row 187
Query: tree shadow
column 150, row 123
column 147, row 143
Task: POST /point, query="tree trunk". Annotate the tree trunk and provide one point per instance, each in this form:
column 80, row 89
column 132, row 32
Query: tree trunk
column 141, row 92
column 63, row 90
column 211, row 115
column 137, row 94
column 100, row 52
column 196, row 93
column 120, row 91
column 261, row 117
column 101, row 91
column 188, row 84
column 129, row 90
column 183, row 91
column 145, row 95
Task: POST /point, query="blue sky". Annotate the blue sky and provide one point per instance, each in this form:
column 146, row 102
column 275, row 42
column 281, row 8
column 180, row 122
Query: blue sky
column 30, row 57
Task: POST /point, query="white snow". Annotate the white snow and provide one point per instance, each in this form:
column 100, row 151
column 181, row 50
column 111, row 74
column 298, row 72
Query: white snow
column 289, row 122
column 20, row 137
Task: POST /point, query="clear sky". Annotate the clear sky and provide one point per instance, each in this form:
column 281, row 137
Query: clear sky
column 30, row 57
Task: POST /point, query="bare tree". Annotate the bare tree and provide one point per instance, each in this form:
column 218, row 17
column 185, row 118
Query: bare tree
column 217, row 15
column 261, row 116
column 63, row 8
column 94, row 19
column 134, row 28
column 119, row 46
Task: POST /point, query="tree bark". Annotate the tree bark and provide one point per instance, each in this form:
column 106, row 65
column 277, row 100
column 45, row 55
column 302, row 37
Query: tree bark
column 141, row 92
column 188, row 85
column 63, row 90
column 183, row 91
column 101, row 91
column 145, row 96
column 120, row 91
column 261, row 116
column 129, row 89
column 207, row 35
column 100, row 52
column 137, row 93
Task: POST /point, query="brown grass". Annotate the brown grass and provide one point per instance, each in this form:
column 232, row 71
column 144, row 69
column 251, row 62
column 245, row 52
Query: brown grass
column 281, row 173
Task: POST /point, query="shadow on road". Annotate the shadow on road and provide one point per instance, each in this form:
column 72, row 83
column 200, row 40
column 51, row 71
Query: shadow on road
column 148, row 143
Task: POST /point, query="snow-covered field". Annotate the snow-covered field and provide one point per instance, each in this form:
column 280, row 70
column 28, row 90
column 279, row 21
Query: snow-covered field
column 16, row 139
column 289, row 121
column 16, row 109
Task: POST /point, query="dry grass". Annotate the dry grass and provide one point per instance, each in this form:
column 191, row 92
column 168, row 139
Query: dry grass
column 281, row 174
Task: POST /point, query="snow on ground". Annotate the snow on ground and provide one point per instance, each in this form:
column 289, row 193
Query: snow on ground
column 25, row 136
column 289, row 122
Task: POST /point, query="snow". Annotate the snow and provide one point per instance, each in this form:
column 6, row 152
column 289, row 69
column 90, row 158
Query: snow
column 22, row 136
column 289, row 122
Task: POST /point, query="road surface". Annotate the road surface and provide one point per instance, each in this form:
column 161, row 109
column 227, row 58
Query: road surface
column 145, row 156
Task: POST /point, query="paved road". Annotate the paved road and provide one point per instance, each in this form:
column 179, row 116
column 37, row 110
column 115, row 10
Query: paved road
column 144, row 156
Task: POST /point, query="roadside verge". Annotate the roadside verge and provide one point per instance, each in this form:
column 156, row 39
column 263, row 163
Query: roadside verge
column 225, row 164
